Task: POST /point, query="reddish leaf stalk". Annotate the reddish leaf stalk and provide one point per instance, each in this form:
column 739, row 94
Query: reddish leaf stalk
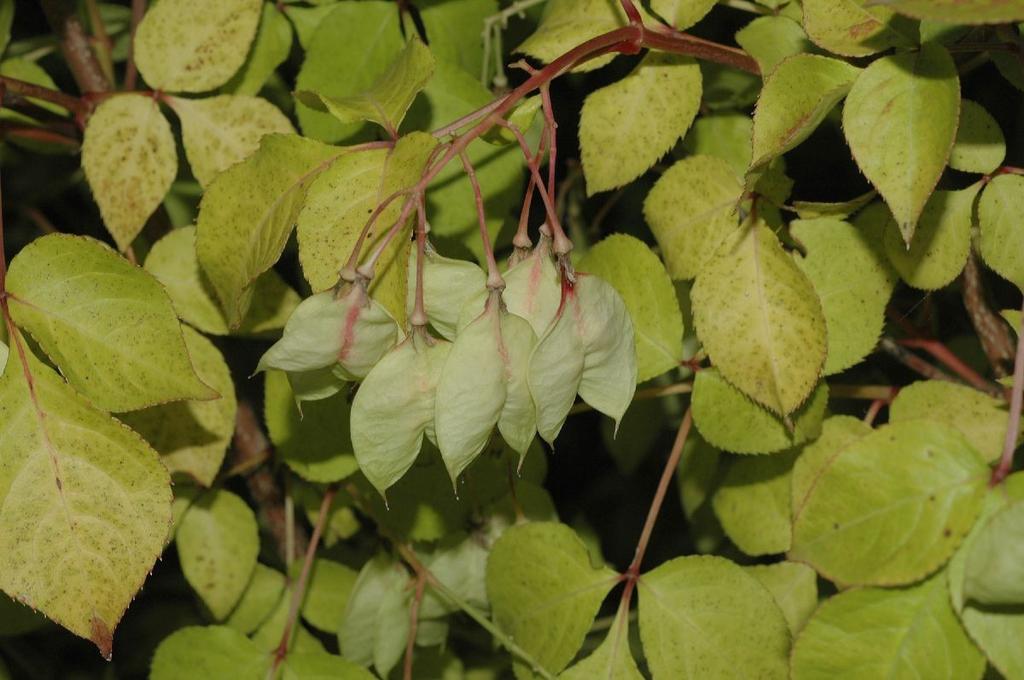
column 299, row 592
column 24, row 89
column 419, row 312
column 552, row 127
column 1016, row 401
column 414, row 620
column 367, row 268
column 633, row 572
column 953, row 363
column 494, row 279
column 131, row 70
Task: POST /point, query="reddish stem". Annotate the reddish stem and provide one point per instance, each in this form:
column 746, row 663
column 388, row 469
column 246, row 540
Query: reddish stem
column 633, row 572
column 873, row 410
column 299, row 591
column 367, row 269
column 414, row 619
column 552, row 126
column 953, row 363
column 419, row 312
column 131, row 71
column 494, row 280
column 632, row 13
column 24, row 89
column 1016, row 399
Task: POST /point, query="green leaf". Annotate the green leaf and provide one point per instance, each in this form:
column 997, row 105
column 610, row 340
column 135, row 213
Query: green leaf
column 269, row 49
column 389, row 98
column 723, row 135
column 729, row 420
column 997, row 630
column 376, row 620
column 451, row 202
column 192, row 46
column 900, row 121
column 627, row 126
column 567, row 23
column 6, row 19
column 691, row 210
column 760, row 321
column 218, row 541
column 698, row 473
column 893, row 633
column 108, row 325
column 321, row 666
column 545, row 592
column 795, row 100
column 809, row 210
column 752, row 503
column 794, row 587
column 982, row 419
column 980, row 145
column 612, row 660
column 172, row 261
column 453, row 31
column 848, row 28
column 394, row 408
column 1000, row 239
column 84, row 503
column 192, row 436
column 770, row 39
column 993, row 572
column 130, row 160
column 315, row 441
column 30, row 72
column 460, row 563
column 892, row 507
column 268, row 636
column 350, row 49
column 704, row 617
column 219, row 132
column 941, row 243
column 330, row 585
column 682, row 13
column 638, row 275
column 853, row 280
column 265, row 589
column 209, row 652
column 247, row 214
column 338, row 205
column 837, row 433
column 305, row 20
column 961, row 11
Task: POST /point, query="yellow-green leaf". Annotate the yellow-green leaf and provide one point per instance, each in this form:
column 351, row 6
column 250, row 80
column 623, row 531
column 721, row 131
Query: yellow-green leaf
column 389, row 98
column 107, row 324
column 691, row 210
column 896, row 633
column 729, row 420
column 218, row 541
column 849, row 28
column 340, row 201
column 682, row 13
column 194, row 45
column 85, row 505
column 192, row 436
column 567, row 23
column 837, row 433
column 761, row 321
column 1001, row 241
column 130, row 160
column 892, row 507
column 980, row 145
column 218, row 132
column 752, row 503
column 796, row 97
column 270, row 48
column 941, row 243
column 172, row 260
column 794, row 587
column 627, row 126
column 247, row 215
column 704, row 617
column 900, row 121
column 854, row 281
column 960, row 11
column 532, row 566
column 770, row 39
column 640, row 278
column 612, row 660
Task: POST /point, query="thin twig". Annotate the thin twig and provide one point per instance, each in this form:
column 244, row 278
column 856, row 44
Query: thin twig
column 131, row 70
column 1013, row 424
column 992, row 332
column 414, row 620
column 299, row 589
column 74, row 44
column 24, row 89
column 104, row 48
column 914, row 362
column 955, row 364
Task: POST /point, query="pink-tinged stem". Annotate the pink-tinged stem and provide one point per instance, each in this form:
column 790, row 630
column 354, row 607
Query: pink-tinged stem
column 1016, row 398
column 494, row 280
column 419, row 312
column 366, row 269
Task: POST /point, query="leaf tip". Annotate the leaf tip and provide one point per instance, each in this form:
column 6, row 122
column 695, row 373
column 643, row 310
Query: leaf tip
column 101, row 635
